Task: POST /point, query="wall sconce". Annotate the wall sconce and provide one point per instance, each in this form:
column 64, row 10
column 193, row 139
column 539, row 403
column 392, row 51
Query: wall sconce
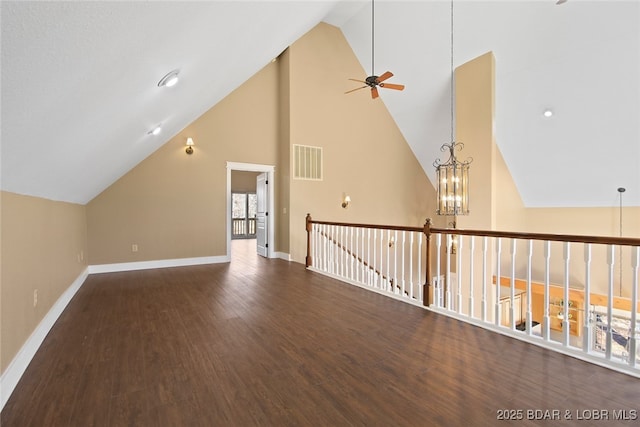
column 346, row 201
column 190, row 145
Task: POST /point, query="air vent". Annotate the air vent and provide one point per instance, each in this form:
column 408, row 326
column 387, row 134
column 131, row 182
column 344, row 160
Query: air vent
column 307, row 162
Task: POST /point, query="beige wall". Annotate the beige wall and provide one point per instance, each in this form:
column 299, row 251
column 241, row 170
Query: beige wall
column 173, row 205
column 243, row 181
column 365, row 155
column 44, row 247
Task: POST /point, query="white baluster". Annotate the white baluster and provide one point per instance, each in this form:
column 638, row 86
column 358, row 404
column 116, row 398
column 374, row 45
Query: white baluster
column 327, row 249
column 369, row 256
column 419, row 261
column 528, row 316
column 448, row 273
column 586, row 334
column 352, row 257
column 498, row 262
column 380, row 269
column 402, row 265
column 411, row 264
column 313, row 254
column 438, row 297
column 485, row 241
column 512, row 288
column 336, row 249
column 322, row 245
column 566, row 328
column 611, row 263
column 361, row 253
column 471, row 272
column 325, row 244
column 633, row 333
column 388, row 262
column 545, row 318
column 375, row 261
column 459, row 275
column 395, row 261
column 342, row 252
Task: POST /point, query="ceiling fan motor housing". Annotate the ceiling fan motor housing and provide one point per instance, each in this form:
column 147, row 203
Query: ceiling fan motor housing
column 371, row 81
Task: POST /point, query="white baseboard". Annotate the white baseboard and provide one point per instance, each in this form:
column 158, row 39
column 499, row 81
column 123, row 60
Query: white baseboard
column 283, row 256
column 20, row 362
column 163, row 263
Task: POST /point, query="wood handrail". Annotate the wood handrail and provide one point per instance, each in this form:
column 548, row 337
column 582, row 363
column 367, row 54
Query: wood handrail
column 573, row 238
column 376, row 226
column 577, row 238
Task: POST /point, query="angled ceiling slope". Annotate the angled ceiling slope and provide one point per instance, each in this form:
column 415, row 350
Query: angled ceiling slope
column 581, row 59
column 79, row 83
column 79, row 80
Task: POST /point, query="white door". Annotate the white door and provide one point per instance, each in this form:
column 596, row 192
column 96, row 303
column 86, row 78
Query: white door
column 262, row 193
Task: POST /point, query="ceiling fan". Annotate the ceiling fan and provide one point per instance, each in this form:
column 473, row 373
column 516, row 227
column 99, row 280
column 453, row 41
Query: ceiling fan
column 374, row 81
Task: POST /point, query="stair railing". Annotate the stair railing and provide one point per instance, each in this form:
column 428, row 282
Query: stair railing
column 527, row 285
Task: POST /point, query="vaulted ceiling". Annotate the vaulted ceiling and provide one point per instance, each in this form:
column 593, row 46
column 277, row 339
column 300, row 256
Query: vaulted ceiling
column 79, row 83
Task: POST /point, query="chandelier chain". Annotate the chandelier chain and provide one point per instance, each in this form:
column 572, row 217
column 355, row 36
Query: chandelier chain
column 452, row 74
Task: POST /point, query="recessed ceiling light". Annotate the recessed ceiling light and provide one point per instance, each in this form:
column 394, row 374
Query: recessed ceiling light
column 547, row 113
column 155, row 131
column 170, row 79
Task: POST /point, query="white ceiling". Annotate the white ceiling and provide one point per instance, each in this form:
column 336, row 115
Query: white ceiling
column 79, row 82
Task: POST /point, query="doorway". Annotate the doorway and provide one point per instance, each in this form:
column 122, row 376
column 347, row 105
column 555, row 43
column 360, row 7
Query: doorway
column 264, row 223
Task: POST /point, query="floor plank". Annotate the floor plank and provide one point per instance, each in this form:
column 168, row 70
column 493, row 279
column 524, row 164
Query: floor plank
column 265, row 342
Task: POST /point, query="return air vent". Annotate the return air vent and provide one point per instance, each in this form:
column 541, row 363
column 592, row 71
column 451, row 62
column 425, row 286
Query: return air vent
column 307, row 162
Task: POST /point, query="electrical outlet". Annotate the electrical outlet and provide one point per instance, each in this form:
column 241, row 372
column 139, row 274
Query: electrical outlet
column 134, row 248
column 35, row 297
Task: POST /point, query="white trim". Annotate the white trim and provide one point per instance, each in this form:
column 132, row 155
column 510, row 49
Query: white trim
column 162, row 263
column 282, row 255
column 250, row 167
column 20, row 362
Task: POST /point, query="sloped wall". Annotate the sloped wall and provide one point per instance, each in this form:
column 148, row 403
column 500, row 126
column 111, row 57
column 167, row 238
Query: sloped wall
column 173, row 205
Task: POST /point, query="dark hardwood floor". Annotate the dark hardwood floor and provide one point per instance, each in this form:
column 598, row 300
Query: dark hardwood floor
column 265, row 342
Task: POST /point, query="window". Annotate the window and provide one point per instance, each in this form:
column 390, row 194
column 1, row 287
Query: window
column 243, row 215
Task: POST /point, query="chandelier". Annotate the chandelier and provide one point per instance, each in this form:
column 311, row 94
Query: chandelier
column 453, row 182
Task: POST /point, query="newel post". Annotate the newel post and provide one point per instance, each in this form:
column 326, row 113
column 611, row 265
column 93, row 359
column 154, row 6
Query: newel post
column 427, row 284
column 309, row 228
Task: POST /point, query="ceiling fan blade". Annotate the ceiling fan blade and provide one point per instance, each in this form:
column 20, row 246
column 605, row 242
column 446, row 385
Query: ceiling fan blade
column 384, row 76
column 353, row 90
column 360, row 81
column 392, row 86
column 374, row 92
